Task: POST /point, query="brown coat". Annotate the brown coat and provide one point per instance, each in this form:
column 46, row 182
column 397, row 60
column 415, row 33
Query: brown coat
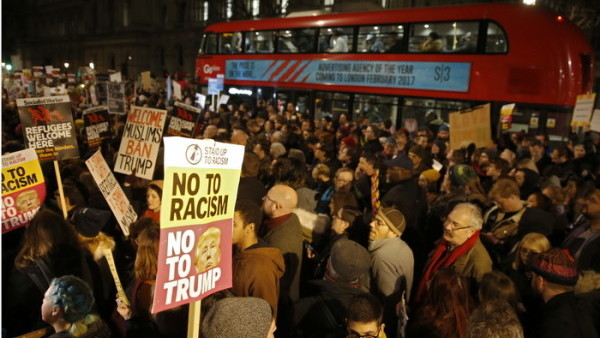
column 475, row 263
column 256, row 273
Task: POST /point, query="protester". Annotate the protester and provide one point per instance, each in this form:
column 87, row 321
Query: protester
column 68, row 307
column 257, row 268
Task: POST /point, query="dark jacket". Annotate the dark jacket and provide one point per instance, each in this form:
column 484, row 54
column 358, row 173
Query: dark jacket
column 567, row 315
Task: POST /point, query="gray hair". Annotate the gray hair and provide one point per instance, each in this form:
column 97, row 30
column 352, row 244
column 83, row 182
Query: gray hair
column 475, row 218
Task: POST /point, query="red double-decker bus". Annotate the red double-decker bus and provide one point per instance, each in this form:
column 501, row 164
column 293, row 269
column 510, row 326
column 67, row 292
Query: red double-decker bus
column 399, row 64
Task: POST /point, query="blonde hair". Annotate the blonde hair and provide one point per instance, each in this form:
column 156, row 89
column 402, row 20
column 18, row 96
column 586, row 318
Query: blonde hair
column 533, row 240
column 95, row 245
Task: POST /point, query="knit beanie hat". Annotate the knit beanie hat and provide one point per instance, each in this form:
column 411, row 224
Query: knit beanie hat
column 238, row 317
column 394, row 219
column 557, row 266
column 349, row 260
column 431, row 175
column 461, row 174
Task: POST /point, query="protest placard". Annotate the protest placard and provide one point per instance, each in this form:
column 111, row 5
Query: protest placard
column 96, row 123
column 176, row 90
column 23, row 188
column 115, row 77
column 471, row 125
column 112, row 191
column 115, row 97
column 183, row 120
column 48, row 127
column 506, row 116
column 223, row 99
column 38, row 71
column 595, row 122
column 200, row 100
column 582, row 113
column 200, row 189
column 141, row 140
column 101, row 92
column 146, row 81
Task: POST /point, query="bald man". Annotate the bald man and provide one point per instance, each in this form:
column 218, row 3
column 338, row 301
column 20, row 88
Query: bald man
column 281, row 229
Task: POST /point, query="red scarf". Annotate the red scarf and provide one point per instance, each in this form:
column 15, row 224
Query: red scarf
column 441, row 260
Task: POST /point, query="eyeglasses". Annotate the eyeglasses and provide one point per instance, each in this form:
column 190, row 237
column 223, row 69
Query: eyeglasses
column 455, row 225
column 352, row 334
column 270, row 199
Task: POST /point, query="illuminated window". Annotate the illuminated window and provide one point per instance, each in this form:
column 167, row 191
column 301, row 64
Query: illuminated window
column 255, row 7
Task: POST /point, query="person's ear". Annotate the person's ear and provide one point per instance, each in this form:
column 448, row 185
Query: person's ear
column 249, row 228
column 56, row 311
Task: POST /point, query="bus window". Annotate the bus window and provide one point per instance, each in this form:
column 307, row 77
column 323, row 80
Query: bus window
column 285, row 42
column 496, row 40
column 230, row 43
column 304, row 39
column 380, row 39
column 462, row 37
column 376, row 108
column 336, row 40
column 209, row 45
column 331, row 104
column 444, row 37
column 259, row 42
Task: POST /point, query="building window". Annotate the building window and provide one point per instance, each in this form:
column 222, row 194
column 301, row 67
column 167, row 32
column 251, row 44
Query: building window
column 328, row 3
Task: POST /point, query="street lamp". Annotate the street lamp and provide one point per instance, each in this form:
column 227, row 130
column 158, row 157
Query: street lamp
column 8, row 67
column 66, row 65
column 92, row 65
column 529, row 2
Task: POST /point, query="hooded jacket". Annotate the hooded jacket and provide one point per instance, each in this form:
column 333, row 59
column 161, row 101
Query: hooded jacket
column 256, row 273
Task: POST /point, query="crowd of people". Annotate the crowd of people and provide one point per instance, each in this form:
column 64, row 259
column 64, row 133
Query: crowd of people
column 342, row 228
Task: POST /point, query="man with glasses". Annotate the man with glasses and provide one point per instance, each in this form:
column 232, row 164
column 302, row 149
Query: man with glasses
column 282, row 230
column 459, row 248
column 365, row 317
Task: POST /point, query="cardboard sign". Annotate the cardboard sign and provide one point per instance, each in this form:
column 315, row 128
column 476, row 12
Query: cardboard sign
column 48, row 127
column 141, row 140
column 200, row 188
column 115, row 97
column 471, row 126
column 97, row 126
column 23, row 188
column 582, row 113
column 183, row 120
column 112, row 191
